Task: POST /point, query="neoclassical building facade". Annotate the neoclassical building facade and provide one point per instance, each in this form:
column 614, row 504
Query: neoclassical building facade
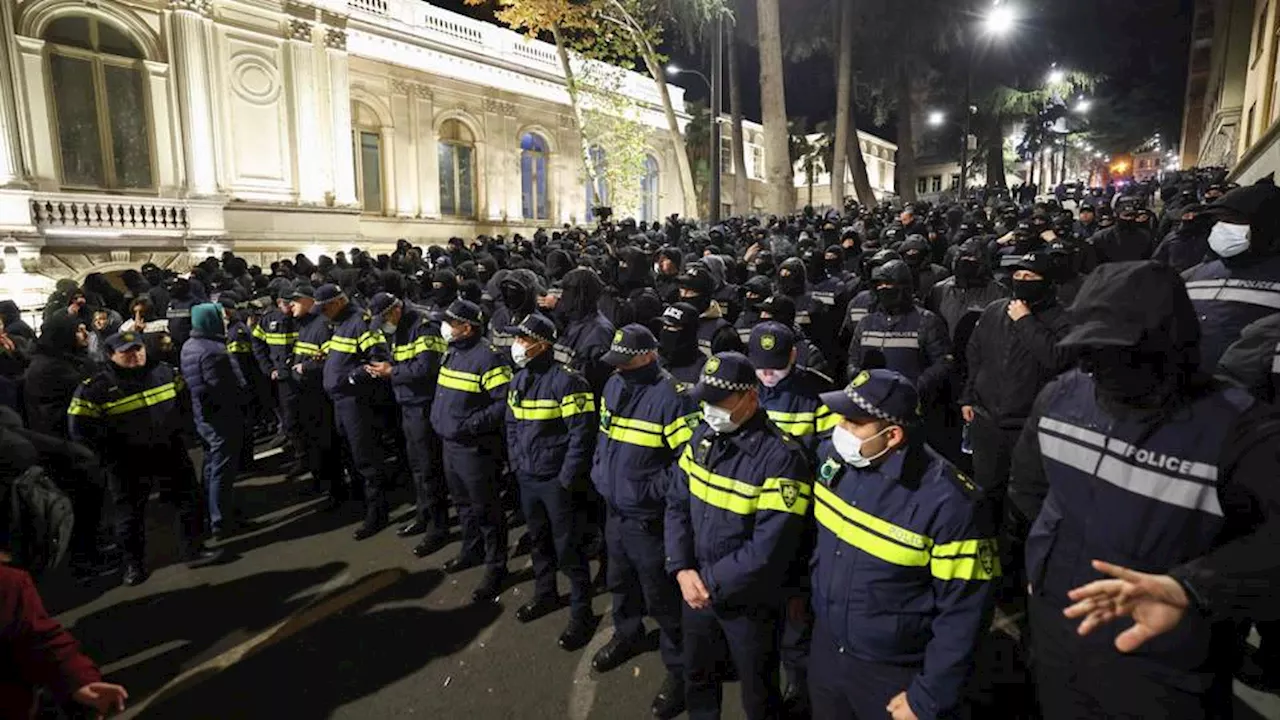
column 161, row 130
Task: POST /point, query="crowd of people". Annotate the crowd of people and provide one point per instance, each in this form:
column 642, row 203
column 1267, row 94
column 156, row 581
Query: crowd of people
column 827, row 445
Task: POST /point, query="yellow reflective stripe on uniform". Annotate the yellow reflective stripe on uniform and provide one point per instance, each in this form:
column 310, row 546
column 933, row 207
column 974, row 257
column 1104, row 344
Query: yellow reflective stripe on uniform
column 571, row 405
column 966, row 560
column 633, row 437
column 825, row 420
column 339, row 343
column 84, row 408
column 496, row 378
column 370, row 339
column 455, row 380
column 526, row 409
column 239, row 346
column 434, row 343
column 785, row 495
column 634, row 424
column 306, row 348
column 146, row 398
column 273, row 338
column 868, row 533
column 423, row 344
column 796, row 424
column 680, row 431
column 717, row 490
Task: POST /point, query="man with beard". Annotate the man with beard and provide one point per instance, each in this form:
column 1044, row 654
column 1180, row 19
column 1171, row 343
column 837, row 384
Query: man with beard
column 1138, row 457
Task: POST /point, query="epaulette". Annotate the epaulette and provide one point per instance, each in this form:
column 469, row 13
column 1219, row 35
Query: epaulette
column 964, row 483
column 494, row 349
column 366, row 316
column 820, row 375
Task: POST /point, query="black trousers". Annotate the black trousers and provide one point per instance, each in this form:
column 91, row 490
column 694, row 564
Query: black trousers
column 423, row 454
column 168, row 470
column 473, row 470
column 1079, row 681
column 750, row 634
column 321, row 446
column 556, row 541
column 843, row 687
column 358, row 425
column 640, row 585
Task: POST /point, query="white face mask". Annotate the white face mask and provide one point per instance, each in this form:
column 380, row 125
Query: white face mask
column 446, row 332
column 771, row 378
column 657, row 269
column 520, row 354
column 1229, row 239
column 849, row 446
column 388, row 328
column 719, row 419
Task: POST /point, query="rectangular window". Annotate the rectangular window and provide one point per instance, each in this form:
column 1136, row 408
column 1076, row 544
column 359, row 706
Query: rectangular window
column 757, row 162
column 130, row 147
column 922, row 185
column 79, row 136
column 726, row 155
column 448, row 180
column 955, row 180
column 370, row 171
column 937, row 183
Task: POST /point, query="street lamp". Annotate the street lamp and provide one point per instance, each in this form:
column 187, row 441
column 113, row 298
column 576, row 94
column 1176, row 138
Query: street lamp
column 1056, row 77
column 937, row 118
column 999, row 21
column 674, row 70
column 1083, row 106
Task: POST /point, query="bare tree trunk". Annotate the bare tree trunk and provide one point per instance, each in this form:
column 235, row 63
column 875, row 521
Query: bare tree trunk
column 773, row 101
column 673, row 126
column 861, row 183
column 995, row 155
column 579, row 117
column 741, row 195
column 905, row 172
column 844, row 102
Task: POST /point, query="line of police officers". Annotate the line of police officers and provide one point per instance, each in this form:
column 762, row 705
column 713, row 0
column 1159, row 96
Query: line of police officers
column 760, row 516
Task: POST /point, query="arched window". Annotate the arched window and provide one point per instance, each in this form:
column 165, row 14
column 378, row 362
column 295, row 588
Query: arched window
column 101, row 105
column 649, row 190
column 457, row 152
column 367, row 145
column 599, row 198
column 533, row 177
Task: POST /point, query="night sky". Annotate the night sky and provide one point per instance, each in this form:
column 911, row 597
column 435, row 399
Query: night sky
column 1139, row 47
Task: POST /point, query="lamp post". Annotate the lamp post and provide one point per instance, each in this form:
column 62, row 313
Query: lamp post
column 998, row 22
column 714, row 86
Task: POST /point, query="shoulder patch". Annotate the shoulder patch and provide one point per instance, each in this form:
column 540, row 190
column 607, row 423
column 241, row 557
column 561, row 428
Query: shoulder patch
column 965, row 484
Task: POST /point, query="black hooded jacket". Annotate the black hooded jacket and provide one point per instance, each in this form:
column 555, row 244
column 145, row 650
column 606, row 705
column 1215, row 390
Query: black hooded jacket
column 57, row 367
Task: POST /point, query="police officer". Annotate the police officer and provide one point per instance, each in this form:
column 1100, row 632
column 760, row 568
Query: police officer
column 902, row 569
column 1138, row 459
column 130, row 416
column 782, row 309
column 715, row 333
column 645, row 419
column 678, row 343
column 735, row 519
column 789, row 391
column 416, row 349
column 1243, row 284
column 550, row 429
column 353, row 346
column 273, row 339
column 901, row 336
column 467, row 414
column 321, row 445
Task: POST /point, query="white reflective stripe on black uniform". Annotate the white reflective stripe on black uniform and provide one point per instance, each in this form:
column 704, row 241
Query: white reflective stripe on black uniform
column 1158, row 476
column 1251, row 292
column 882, row 339
column 1275, row 361
column 563, row 354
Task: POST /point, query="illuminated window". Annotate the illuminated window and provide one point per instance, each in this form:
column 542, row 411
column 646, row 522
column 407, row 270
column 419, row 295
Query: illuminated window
column 597, row 195
column 726, row 156
column 101, row 106
column 937, row 183
column 649, row 190
column 757, row 162
column 533, row 177
column 457, row 152
column 922, row 184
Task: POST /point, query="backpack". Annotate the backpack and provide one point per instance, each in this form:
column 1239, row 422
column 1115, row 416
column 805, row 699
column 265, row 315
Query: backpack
column 37, row 517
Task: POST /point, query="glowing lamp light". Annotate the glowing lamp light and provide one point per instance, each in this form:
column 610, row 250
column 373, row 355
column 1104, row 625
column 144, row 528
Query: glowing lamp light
column 1056, row 77
column 937, row 117
column 1000, row 20
column 673, row 69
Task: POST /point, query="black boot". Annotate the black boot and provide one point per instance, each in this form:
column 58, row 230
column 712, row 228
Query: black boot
column 536, row 608
column 618, row 651
column 430, row 545
column 669, row 702
column 490, row 588
column 135, row 574
column 578, row 633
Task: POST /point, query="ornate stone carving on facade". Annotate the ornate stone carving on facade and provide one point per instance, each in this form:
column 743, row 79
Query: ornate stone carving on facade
column 332, row 20
column 335, row 38
column 494, row 105
column 401, row 87
column 567, row 122
column 201, row 7
column 422, row 91
column 299, row 30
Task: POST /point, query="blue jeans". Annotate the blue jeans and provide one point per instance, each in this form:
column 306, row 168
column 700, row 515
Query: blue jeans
column 221, row 440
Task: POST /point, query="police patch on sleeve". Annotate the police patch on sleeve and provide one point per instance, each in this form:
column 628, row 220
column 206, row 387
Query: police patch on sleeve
column 790, row 491
column 987, row 557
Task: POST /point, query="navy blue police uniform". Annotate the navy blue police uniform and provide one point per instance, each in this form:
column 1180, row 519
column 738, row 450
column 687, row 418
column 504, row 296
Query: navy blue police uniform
column 317, row 429
column 902, row 570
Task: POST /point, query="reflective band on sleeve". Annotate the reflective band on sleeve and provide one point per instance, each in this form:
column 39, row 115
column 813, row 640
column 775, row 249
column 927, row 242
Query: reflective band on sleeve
column 965, row 560
column 346, row 345
column 679, row 431
column 84, row 408
column 138, row 401
column 455, row 380
column 1250, row 292
column 794, row 424
column 576, row 403
column 496, row 378
column 826, row 419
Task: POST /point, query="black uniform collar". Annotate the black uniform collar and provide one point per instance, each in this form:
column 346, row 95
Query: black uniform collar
column 646, row 375
column 542, row 363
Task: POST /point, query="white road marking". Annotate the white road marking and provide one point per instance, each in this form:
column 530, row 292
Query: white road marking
column 582, row 695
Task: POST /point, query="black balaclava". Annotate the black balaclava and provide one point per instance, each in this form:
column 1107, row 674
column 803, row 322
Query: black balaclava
column 581, row 296
column 791, row 277
column 444, row 288
column 970, row 265
column 679, row 345
column 895, row 298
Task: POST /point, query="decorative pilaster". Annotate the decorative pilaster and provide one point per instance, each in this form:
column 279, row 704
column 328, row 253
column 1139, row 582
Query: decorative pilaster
column 11, row 170
column 301, row 53
column 428, row 158
column 191, row 28
column 344, row 172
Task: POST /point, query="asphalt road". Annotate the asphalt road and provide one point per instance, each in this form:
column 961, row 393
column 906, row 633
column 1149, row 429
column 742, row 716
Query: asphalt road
column 303, row 622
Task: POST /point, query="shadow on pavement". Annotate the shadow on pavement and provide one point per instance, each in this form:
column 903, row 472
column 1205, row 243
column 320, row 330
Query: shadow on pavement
column 191, row 621
column 340, row 660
